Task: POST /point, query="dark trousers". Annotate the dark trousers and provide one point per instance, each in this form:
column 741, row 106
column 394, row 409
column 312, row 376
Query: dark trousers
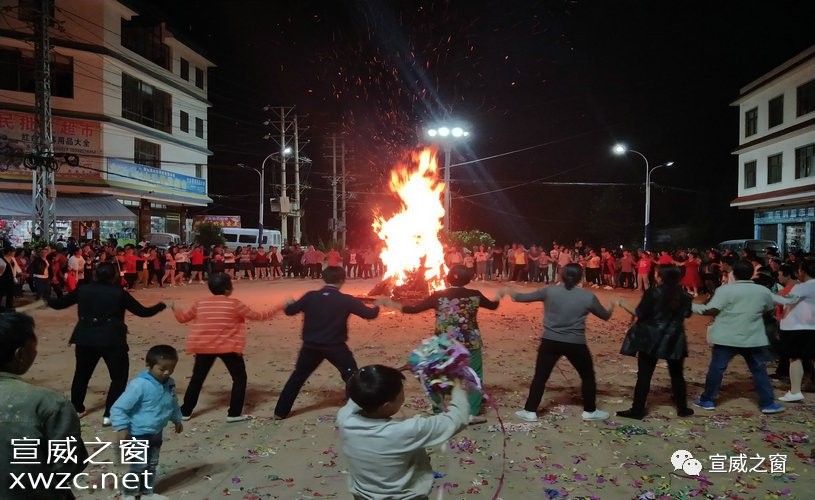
column 7, row 296
column 645, row 370
column 42, row 288
column 145, row 487
column 308, row 360
column 86, row 360
column 578, row 355
column 203, row 363
column 755, row 357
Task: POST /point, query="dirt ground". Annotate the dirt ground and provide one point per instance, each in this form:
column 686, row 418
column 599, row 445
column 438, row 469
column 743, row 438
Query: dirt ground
column 559, row 457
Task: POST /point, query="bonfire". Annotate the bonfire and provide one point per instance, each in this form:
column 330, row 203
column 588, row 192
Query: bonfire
column 411, row 251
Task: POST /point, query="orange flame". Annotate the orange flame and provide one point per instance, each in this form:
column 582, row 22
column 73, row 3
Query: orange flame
column 412, row 235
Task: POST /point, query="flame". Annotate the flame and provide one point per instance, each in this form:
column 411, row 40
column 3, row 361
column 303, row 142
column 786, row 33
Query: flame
column 412, row 235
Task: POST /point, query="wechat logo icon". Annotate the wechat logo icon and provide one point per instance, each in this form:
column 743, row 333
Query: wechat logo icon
column 683, row 459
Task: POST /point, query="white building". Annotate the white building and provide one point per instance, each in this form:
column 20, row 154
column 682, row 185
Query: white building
column 777, row 153
column 129, row 97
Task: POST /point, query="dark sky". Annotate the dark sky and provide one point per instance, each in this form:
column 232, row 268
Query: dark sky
column 565, row 79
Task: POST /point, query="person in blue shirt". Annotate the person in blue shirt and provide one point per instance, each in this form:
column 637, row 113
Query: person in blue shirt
column 143, row 410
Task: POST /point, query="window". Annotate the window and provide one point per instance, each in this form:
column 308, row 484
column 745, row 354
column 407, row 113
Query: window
column 805, row 161
column 199, row 127
column 143, row 37
column 230, row 238
column 246, row 238
column 146, row 104
column 751, row 122
column 199, row 170
column 184, row 121
column 199, row 78
column 774, row 169
column 806, row 98
column 776, row 114
column 185, row 69
column 147, row 153
column 750, row 174
column 17, row 72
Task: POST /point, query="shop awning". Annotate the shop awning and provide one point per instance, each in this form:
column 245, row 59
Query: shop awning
column 19, row 206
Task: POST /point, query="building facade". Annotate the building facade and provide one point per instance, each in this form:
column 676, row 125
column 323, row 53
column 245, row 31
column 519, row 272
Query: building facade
column 129, row 98
column 776, row 153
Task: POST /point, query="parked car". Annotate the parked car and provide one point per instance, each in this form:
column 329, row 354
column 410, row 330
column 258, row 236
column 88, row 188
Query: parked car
column 240, row 237
column 163, row 240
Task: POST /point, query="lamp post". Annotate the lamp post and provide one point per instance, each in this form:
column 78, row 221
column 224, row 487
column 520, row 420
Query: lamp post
column 262, row 178
column 621, row 149
column 446, row 137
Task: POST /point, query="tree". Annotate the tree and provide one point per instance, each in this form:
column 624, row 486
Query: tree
column 209, row 234
column 468, row 239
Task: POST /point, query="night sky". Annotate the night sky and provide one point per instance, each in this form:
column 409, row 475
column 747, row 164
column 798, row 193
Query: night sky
column 561, row 80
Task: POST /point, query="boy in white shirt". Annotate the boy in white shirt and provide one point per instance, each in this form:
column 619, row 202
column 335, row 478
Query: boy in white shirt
column 387, row 458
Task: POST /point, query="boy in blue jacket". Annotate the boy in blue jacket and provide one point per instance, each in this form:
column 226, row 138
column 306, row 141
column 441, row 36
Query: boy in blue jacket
column 142, row 412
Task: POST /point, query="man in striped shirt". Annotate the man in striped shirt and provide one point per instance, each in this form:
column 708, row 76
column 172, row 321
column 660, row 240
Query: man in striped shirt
column 218, row 331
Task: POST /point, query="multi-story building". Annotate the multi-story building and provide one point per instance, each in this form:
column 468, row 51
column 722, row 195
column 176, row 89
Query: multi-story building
column 777, row 153
column 129, row 98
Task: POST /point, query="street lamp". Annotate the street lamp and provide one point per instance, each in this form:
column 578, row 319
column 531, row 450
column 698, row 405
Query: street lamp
column 621, row 149
column 262, row 177
column 446, row 136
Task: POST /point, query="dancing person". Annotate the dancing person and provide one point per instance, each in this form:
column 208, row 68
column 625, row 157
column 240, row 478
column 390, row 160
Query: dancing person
column 387, row 457
column 691, row 280
column 660, row 334
column 143, row 411
column 325, row 333
column 739, row 329
column 798, row 330
column 644, row 264
column 7, row 279
column 564, row 334
column 456, row 317
column 101, row 333
column 218, row 331
column 34, row 413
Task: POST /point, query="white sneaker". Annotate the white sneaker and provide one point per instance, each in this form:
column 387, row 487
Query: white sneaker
column 791, row 397
column 154, row 496
column 529, row 416
column 477, row 419
column 106, row 421
column 595, row 415
column 239, row 418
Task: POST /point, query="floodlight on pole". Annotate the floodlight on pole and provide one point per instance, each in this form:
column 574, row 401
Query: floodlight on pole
column 446, row 136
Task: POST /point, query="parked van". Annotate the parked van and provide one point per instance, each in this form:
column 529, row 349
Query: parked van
column 755, row 246
column 240, row 237
column 163, row 240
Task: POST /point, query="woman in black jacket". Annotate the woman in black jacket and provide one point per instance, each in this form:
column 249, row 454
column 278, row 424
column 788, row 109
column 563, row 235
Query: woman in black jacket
column 101, row 332
column 659, row 334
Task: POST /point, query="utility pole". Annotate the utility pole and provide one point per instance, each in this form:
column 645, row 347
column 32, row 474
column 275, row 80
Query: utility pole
column 41, row 160
column 283, row 125
column 344, row 220
column 334, row 190
column 297, row 208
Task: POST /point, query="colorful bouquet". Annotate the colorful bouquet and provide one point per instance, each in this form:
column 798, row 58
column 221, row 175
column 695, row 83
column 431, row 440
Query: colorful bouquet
column 438, row 361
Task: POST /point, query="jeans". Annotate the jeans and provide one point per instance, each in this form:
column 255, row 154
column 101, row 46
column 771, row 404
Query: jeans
column 146, row 484
column 755, row 358
column 203, row 363
column 308, row 360
column 645, row 370
column 86, row 360
column 579, row 356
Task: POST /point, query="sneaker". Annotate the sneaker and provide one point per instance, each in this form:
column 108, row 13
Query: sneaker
column 684, row 412
column 705, row 405
column 632, row 413
column 791, row 397
column 239, row 418
column 595, row 415
column 186, row 417
column 772, row 408
column 106, row 421
column 477, row 419
column 529, row 416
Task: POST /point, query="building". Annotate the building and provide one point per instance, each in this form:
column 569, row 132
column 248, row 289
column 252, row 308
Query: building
column 777, row 153
column 129, row 98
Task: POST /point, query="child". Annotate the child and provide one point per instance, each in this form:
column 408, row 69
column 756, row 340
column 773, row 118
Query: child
column 456, row 316
column 33, row 413
column 325, row 333
column 387, row 458
column 219, row 331
column 142, row 412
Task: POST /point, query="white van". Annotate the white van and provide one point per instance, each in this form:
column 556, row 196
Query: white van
column 755, row 246
column 235, row 237
column 163, row 240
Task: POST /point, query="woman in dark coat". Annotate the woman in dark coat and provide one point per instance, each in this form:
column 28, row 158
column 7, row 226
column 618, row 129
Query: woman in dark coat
column 659, row 334
column 101, row 332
